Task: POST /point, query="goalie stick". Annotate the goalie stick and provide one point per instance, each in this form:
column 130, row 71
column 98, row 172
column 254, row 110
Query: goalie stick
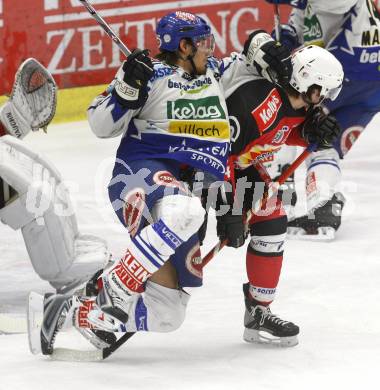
column 10, row 324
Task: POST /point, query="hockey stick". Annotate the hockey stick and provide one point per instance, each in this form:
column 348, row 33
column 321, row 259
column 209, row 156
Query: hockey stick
column 273, row 187
column 277, row 21
column 67, row 354
column 105, row 26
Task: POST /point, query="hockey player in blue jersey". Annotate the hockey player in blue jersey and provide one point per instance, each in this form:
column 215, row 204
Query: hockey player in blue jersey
column 171, row 112
column 350, row 29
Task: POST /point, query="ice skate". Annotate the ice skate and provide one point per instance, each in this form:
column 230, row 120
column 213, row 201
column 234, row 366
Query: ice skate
column 264, row 327
column 49, row 314
column 321, row 224
column 46, row 316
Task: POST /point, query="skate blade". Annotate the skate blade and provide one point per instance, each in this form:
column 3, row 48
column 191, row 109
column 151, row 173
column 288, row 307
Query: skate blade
column 34, row 321
column 260, row 337
column 326, row 233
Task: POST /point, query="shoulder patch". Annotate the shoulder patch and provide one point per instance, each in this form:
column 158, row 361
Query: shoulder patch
column 161, row 70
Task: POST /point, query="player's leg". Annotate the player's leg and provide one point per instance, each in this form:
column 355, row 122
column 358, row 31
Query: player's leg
column 281, row 161
column 263, row 262
column 174, row 216
column 324, row 198
column 356, row 106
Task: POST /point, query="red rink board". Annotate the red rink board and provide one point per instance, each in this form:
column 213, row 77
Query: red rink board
column 64, row 37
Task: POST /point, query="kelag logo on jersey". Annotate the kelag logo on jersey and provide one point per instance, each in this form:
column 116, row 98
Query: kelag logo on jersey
column 312, row 30
column 266, row 113
column 206, row 108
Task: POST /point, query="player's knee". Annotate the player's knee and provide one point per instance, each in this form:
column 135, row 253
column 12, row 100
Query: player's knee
column 181, row 213
column 269, row 236
column 166, row 307
column 323, row 155
column 270, row 226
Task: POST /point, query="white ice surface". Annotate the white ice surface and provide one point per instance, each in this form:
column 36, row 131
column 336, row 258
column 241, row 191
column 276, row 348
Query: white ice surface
column 331, row 290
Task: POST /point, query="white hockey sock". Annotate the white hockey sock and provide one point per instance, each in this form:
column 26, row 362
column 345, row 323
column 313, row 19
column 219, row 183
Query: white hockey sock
column 323, row 176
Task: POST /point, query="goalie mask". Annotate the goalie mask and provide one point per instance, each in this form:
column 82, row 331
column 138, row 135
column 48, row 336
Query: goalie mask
column 313, row 65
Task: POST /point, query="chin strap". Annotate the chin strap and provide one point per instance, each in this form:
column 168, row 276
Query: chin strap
column 194, row 72
column 306, row 99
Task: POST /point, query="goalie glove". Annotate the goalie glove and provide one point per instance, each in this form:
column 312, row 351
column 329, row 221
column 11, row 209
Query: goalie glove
column 271, row 59
column 132, row 79
column 320, row 129
column 33, row 100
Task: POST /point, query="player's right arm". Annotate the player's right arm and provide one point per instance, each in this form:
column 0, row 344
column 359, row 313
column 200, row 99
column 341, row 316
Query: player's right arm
column 110, row 113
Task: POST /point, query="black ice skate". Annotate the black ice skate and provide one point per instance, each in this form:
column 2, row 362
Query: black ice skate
column 46, row 316
column 321, row 224
column 49, row 314
column 261, row 326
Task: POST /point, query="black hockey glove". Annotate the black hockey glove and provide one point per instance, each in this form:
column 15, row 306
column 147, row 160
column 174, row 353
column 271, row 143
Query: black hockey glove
column 288, row 36
column 320, row 129
column 271, row 59
column 130, row 86
column 229, row 226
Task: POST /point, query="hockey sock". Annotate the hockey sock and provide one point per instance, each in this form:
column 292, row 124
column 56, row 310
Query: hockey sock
column 263, row 272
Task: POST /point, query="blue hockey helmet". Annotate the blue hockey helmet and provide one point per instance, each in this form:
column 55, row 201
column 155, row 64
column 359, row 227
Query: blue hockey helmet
column 178, row 25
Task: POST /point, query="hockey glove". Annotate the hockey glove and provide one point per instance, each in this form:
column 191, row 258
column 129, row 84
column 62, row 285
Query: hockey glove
column 321, row 129
column 229, row 226
column 132, row 79
column 288, row 36
column 301, row 4
column 271, row 59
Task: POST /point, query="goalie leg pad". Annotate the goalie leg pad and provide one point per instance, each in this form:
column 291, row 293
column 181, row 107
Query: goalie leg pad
column 41, row 208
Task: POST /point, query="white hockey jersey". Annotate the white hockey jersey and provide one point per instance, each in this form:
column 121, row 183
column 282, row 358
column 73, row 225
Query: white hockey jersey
column 350, row 29
column 184, row 119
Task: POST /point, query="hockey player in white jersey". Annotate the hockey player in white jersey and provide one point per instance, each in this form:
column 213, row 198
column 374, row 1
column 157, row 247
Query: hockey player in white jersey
column 350, row 29
column 31, row 189
column 171, row 113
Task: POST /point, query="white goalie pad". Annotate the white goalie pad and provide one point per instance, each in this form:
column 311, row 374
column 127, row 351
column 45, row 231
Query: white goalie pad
column 33, row 100
column 35, row 200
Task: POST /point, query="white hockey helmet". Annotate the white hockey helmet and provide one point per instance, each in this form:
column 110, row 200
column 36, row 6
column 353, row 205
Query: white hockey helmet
column 313, row 65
